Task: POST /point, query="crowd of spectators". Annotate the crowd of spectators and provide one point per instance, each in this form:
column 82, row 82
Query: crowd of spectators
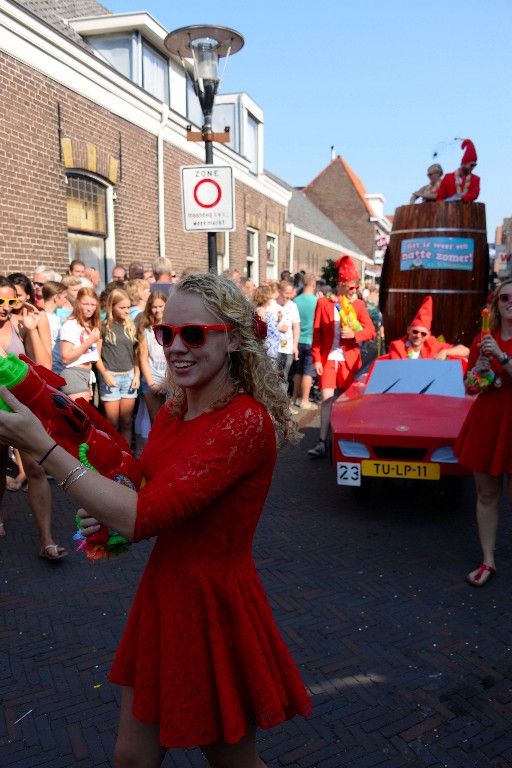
column 98, row 338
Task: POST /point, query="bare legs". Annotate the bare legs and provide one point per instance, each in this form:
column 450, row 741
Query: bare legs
column 325, row 412
column 138, row 744
column 16, row 483
column 4, row 456
column 489, row 490
column 40, row 503
column 243, row 754
column 302, row 384
column 120, row 414
column 153, row 403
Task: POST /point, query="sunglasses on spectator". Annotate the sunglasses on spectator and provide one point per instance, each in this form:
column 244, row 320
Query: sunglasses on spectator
column 505, row 297
column 191, row 335
column 10, row 302
column 418, row 333
column 36, row 282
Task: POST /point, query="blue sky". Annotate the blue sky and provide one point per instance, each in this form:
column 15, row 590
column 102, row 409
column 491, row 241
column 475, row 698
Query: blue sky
column 387, row 84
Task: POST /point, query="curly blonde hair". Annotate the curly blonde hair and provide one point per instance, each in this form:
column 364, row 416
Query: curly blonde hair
column 495, row 318
column 250, row 368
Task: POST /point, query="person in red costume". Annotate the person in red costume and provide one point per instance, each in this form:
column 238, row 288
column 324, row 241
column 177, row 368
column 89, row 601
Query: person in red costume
column 419, row 342
column 201, row 661
column 484, row 441
column 341, row 323
column 462, row 184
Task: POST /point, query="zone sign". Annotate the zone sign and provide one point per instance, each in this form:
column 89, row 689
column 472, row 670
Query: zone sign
column 208, row 198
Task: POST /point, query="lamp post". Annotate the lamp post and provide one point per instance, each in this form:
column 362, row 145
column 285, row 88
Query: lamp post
column 205, row 45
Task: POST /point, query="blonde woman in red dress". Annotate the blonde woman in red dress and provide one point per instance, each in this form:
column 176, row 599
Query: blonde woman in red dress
column 201, row 661
column 484, row 442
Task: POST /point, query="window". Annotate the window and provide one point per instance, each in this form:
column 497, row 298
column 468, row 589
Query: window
column 251, row 146
column 117, row 50
column 155, row 74
column 272, row 254
column 89, row 207
column 136, row 59
column 251, row 267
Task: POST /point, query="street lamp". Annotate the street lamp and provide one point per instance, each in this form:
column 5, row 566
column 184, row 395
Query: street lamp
column 205, row 45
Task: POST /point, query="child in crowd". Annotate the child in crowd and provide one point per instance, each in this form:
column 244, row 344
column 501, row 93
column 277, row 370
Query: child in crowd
column 53, row 298
column 80, row 342
column 117, row 365
column 263, row 297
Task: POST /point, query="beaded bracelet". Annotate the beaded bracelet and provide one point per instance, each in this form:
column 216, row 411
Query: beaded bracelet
column 47, row 453
column 74, row 480
column 71, row 471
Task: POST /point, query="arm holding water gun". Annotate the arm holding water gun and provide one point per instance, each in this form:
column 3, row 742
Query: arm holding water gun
column 481, row 375
column 72, row 441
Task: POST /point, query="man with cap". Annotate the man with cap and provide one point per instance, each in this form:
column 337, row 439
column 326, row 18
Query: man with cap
column 341, row 323
column 462, row 184
column 419, row 342
column 428, row 193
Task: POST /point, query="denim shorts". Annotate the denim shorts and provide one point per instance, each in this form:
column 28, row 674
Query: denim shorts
column 122, row 391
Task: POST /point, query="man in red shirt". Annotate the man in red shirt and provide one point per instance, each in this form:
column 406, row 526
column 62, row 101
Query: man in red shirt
column 419, row 342
column 462, row 184
column 337, row 332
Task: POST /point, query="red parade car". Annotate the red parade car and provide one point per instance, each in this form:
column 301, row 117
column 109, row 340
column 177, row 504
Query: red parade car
column 400, row 421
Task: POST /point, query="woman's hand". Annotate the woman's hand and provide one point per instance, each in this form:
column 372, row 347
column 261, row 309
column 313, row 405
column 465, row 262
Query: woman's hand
column 136, row 380
column 483, row 364
column 109, row 379
column 30, row 316
column 21, row 428
column 88, row 525
column 489, row 347
column 93, row 337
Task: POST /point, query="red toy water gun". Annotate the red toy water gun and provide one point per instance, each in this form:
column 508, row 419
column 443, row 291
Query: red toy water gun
column 78, row 428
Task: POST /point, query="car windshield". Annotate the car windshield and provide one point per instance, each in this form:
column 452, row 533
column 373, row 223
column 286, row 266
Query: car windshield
column 419, row 377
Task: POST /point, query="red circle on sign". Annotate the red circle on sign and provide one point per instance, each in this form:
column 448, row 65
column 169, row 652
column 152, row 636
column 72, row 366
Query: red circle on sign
column 217, row 187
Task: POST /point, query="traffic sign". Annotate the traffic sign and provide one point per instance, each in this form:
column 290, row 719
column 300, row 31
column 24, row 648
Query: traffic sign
column 208, row 198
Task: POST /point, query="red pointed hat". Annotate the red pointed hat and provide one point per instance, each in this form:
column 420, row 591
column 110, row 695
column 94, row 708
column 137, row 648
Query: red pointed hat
column 423, row 317
column 347, row 271
column 469, row 155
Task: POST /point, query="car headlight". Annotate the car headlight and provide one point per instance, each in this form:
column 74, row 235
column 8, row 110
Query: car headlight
column 351, row 449
column 444, row 455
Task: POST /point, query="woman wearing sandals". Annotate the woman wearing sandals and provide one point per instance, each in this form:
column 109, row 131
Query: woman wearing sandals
column 201, row 661
column 484, row 442
column 39, row 493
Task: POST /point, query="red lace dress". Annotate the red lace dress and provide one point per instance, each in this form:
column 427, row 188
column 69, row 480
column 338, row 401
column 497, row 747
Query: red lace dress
column 484, row 441
column 200, row 647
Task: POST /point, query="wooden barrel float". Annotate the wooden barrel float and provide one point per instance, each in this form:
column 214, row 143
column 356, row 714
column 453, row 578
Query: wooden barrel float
column 440, row 234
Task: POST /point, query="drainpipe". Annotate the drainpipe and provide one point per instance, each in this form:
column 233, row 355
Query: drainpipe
column 160, row 166
column 292, row 247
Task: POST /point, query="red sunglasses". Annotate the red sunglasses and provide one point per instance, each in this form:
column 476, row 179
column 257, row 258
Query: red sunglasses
column 191, row 335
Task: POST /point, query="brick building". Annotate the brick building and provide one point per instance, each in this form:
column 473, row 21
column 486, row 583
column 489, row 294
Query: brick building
column 92, row 137
column 341, row 196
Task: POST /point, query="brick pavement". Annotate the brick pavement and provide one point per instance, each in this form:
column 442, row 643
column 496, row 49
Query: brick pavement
column 406, row 664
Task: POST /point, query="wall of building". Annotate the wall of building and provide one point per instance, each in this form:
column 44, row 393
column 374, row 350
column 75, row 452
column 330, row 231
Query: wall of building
column 32, row 176
column 311, row 256
column 333, row 192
